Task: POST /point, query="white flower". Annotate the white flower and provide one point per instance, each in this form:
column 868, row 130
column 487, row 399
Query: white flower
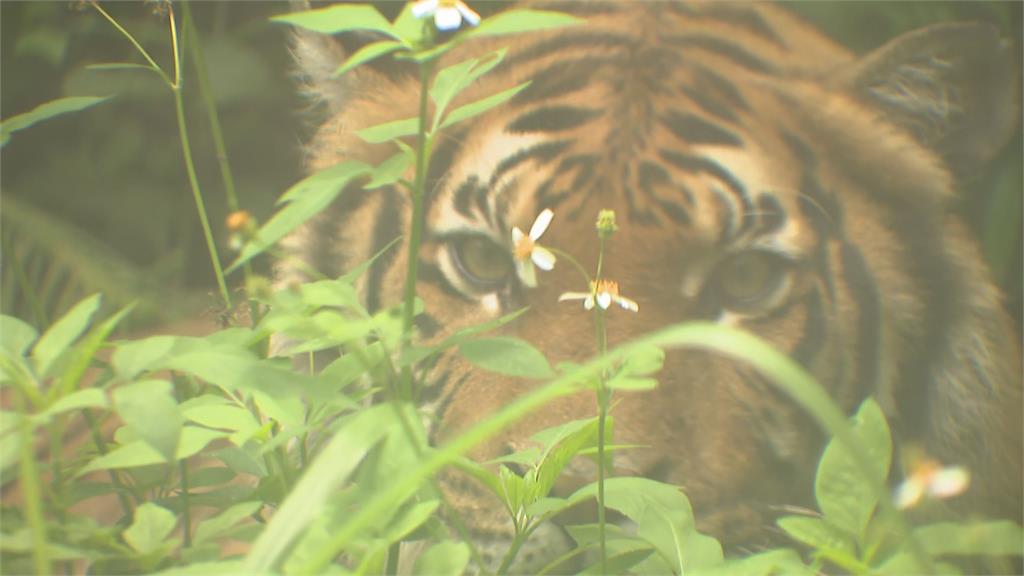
column 603, row 293
column 929, row 478
column 448, row 14
column 526, row 252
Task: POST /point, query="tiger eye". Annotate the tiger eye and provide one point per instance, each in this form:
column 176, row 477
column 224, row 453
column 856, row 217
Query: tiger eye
column 746, row 278
column 482, row 260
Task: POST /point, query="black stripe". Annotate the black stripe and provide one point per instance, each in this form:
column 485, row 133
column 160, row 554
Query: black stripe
column 699, row 164
column 675, row 212
column 465, row 194
column 814, row 333
column 562, row 43
column 445, row 403
column 440, row 165
column 387, row 227
column 562, row 77
column 695, row 130
column 590, row 8
column 745, row 17
column 543, row 152
column 722, row 47
column 583, row 164
column 552, row 119
column 864, row 290
column 771, row 213
column 427, row 325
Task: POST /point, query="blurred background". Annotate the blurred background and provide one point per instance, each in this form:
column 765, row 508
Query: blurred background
column 99, row 201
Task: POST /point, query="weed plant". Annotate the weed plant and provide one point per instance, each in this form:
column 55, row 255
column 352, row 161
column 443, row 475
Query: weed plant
column 329, row 470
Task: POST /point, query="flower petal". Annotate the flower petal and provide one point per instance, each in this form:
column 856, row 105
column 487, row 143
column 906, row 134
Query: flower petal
column 471, row 17
column 948, row 482
column 543, row 258
column 447, row 18
column 424, row 8
column 540, row 225
column 573, row 296
column 604, row 300
column 527, row 275
column 588, row 302
column 909, row 493
column 627, row 303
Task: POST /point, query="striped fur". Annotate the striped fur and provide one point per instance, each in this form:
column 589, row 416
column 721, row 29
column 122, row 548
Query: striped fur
column 723, row 135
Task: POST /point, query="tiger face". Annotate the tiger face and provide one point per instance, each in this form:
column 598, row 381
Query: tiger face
column 764, row 178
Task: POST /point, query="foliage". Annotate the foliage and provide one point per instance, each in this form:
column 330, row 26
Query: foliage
column 330, row 469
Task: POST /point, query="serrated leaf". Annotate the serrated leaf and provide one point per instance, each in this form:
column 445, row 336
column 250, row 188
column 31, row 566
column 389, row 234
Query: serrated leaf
column 213, row 527
column 82, row 354
column 389, row 130
column 46, row 111
column 131, row 455
column 59, row 337
column 302, row 201
column 150, row 527
column 450, row 81
column 993, row 538
column 446, row 557
column 391, row 170
column 149, row 409
column 16, row 335
column 339, row 18
column 523, row 20
column 77, row 400
column 844, row 495
column 817, row 534
column 507, row 355
column 368, row 53
column 480, row 106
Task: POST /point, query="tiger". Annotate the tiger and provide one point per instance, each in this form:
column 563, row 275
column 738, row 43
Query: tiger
column 763, row 177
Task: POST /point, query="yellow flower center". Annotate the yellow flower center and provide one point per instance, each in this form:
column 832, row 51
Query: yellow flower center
column 608, row 286
column 523, row 249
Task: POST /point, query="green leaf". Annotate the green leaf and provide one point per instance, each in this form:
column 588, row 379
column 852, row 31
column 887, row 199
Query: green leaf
column 562, row 444
column 15, row 335
column 81, row 356
column 450, row 81
column 303, row 201
column 46, row 111
column 507, row 355
column 410, row 519
column 77, row 400
column 336, row 462
column 389, row 130
column 445, row 557
column 391, row 170
column 818, row 534
column 415, row 355
column 151, row 526
column 227, row 417
column 993, row 538
column 845, row 499
column 59, row 337
column 216, row 526
column 131, row 455
column 367, row 53
column 339, row 18
column 480, row 106
column 523, row 20
column 119, row 66
column 770, row 563
column 149, row 409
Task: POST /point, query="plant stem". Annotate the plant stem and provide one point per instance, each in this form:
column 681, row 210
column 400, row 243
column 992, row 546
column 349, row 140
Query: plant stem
column 101, row 447
column 33, row 500
column 602, row 415
column 138, row 47
column 195, row 48
column 517, row 543
column 405, row 391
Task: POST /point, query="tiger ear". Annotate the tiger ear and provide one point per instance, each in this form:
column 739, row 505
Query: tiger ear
column 953, row 87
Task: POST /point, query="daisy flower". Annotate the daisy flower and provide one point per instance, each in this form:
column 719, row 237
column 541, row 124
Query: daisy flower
column 448, row 14
column 602, row 293
column 930, row 478
column 526, row 252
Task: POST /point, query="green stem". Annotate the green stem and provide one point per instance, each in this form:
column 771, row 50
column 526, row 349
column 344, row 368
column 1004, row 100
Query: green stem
column 101, row 447
column 138, row 47
column 568, row 257
column 183, row 392
column 405, row 391
column 602, row 415
column 197, row 195
column 195, row 48
column 33, row 500
column 513, row 550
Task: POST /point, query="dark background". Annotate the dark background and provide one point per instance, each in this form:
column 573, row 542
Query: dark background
column 99, row 201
